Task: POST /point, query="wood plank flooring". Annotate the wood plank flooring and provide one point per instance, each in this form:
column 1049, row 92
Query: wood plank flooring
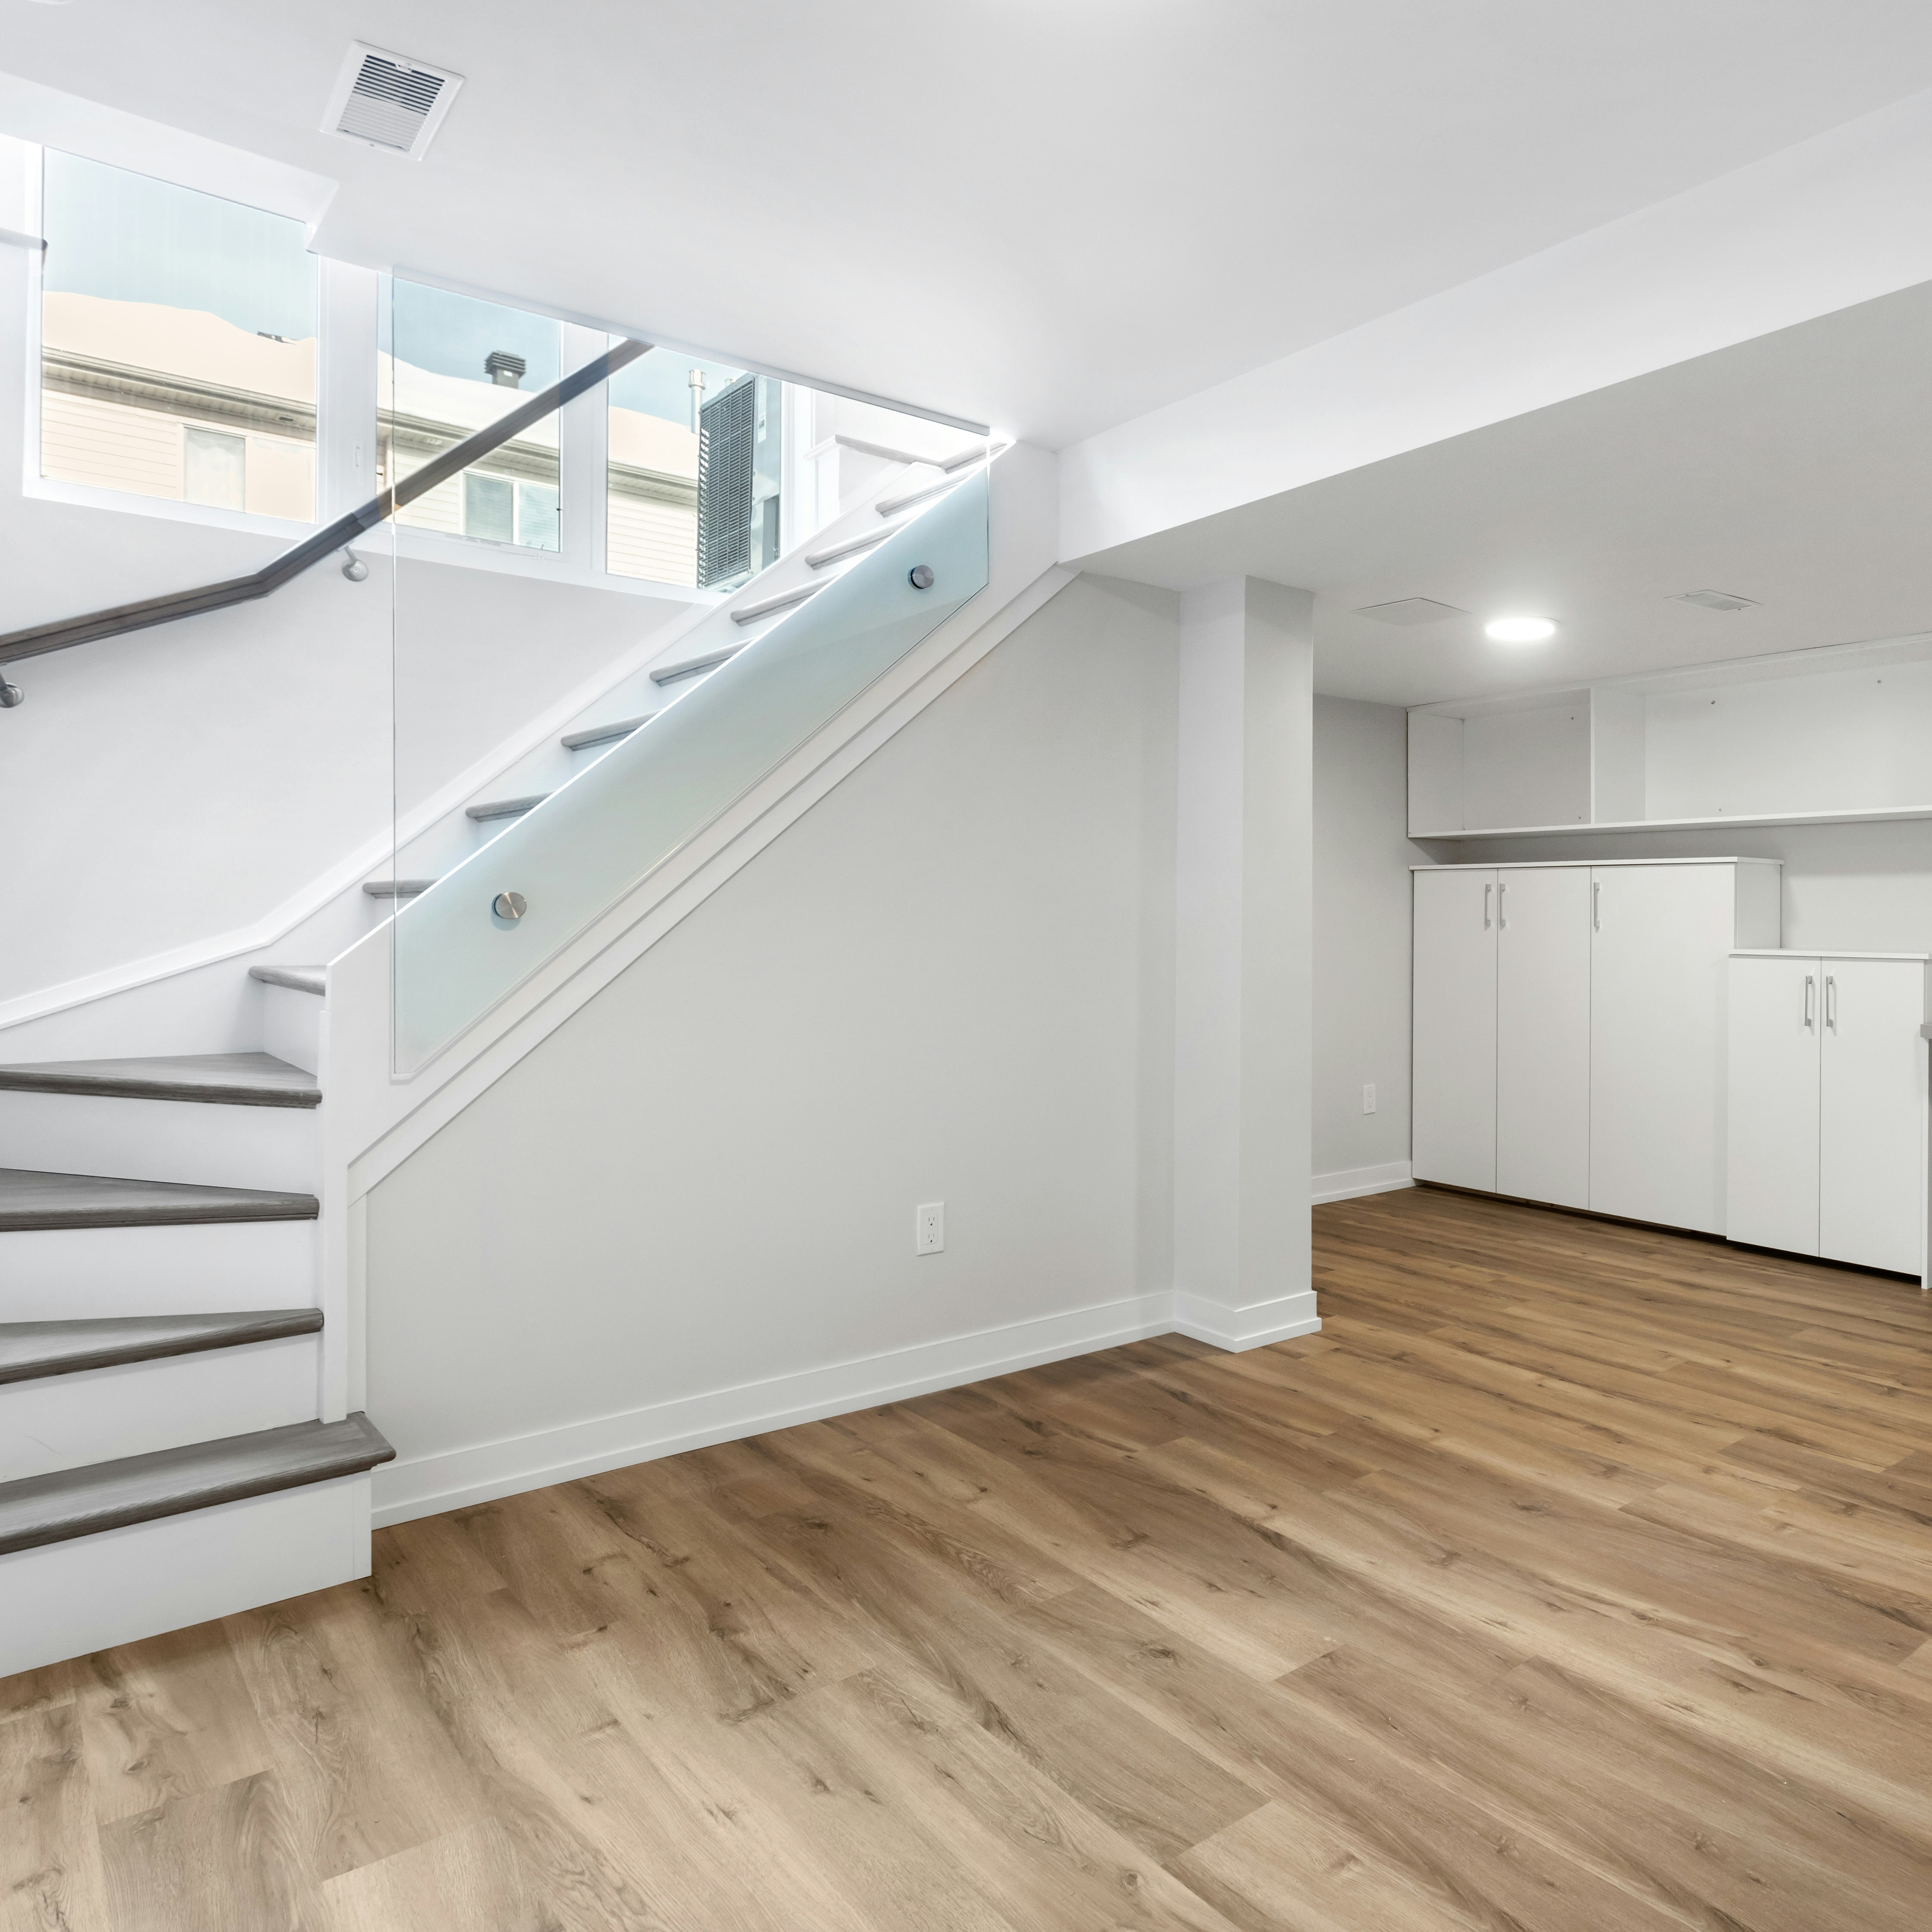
column 1576, row 1578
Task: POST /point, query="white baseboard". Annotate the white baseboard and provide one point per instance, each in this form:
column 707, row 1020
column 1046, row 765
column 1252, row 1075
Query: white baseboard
column 1235, row 1329
column 426, row 1486
column 1346, row 1182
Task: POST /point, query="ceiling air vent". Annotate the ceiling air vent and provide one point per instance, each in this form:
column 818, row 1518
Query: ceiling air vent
column 1410, row 611
column 384, row 100
column 1715, row 600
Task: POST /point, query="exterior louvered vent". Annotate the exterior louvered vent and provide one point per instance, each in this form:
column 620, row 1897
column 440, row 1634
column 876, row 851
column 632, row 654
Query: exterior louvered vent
column 385, row 101
column 725, row 475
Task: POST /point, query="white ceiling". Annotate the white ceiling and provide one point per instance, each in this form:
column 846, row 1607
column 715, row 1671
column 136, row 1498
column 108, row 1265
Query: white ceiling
column 1795, row 469
column 1050, row 214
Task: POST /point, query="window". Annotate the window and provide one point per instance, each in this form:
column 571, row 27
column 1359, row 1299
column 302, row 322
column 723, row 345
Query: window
column 657, row 406
column 178, row 343
column 217, row 469
column 449, row 365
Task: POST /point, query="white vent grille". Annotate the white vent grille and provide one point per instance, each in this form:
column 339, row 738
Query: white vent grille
column 1410, row 611
column 386, row 100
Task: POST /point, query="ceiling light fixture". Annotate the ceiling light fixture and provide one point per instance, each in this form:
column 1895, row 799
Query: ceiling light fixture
column 1520, row 630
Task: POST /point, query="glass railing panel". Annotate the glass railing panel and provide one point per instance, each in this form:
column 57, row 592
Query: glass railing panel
column 495, row 917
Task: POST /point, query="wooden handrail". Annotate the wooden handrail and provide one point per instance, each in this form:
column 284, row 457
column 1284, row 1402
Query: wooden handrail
column 40, row 638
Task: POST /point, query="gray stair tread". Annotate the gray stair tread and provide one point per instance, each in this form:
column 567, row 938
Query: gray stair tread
column 396, row 889
column 235, row 1079
column 31, row 1349
column 818, row 560
column 604, row 734
column 303, row 979
column 781, row 600
column 40, row 1510
column 690, row 667
column 30, row 1199
column 508, row 807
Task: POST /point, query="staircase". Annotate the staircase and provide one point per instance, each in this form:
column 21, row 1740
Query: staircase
column 163, row 1455
column 177, row 1440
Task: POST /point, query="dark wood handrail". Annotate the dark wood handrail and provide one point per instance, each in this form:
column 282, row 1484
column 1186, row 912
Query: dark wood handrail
column 39, row 638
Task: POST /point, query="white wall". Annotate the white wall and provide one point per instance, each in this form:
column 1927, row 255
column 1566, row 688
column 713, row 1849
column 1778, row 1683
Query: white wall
column 1862, row 888
column 951, row 980
column 1362, row 857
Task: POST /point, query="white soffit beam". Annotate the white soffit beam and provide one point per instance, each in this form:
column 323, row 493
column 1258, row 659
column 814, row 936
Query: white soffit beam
column 1831, row 222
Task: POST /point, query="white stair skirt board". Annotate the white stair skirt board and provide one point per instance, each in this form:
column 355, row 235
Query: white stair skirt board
column 1345, row 1183
column 91, row 1592
column 277, row 1147
column 100, row 1415
column 425, row 1485
column 61, row 1274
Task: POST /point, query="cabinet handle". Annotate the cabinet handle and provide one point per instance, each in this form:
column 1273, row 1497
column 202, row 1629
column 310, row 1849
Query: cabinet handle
column 1832, row 1001
column 1810, row 993
column 1502, row 915
column 1596, row 905
column 1486, row 891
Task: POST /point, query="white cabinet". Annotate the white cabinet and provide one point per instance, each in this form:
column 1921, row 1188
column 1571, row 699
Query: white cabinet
column 1660, row 936
column 1453, row 1074
column 1828, row 1105
column 1771, row 1189
column 1569, row 1030
column 1542, row 1033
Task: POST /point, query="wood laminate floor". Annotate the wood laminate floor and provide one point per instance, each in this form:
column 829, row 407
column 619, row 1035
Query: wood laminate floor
column 1576, row 1576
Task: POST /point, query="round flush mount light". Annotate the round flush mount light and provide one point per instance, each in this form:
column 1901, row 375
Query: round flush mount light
column 1520, row 630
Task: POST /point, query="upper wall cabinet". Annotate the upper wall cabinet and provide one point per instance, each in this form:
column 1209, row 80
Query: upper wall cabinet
column 1815, row 736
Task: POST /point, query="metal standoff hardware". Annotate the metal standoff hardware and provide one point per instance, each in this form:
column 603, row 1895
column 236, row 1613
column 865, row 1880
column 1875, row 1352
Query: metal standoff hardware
column 510, row 906
column 920, row 577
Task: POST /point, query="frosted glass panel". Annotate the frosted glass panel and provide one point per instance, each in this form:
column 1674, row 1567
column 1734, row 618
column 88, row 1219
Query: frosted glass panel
column 563, row 864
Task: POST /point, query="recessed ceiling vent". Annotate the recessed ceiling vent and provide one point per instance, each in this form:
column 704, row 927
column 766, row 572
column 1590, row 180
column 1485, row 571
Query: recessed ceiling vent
column 1410, row 611
column 1715, row 600
column 384, row 100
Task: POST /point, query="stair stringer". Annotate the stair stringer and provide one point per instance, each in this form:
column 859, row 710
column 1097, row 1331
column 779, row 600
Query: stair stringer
column 374, row 1121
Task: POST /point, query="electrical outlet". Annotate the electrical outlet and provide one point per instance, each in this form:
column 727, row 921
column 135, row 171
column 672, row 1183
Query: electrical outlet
column 1368, row 1096
column 929, row 1229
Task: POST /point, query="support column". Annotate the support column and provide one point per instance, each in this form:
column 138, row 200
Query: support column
column 1243, row 965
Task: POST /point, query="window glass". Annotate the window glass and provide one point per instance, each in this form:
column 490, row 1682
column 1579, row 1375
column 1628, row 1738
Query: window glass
column 658, row 406
column 177, row 335
column 449, row 365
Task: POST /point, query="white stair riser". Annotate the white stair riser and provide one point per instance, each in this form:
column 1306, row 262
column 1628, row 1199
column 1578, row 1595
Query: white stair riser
column 291, row 1026
column 163, row 1140
column 56, row 1274
column 92, row 1592
column 65, row 1422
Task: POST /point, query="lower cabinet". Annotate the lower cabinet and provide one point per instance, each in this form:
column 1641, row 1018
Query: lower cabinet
column 1828, row 1106
column 1569, row 1030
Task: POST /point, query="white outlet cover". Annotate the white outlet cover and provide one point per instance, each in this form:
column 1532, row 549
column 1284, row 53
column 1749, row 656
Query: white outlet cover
column 928, row 1229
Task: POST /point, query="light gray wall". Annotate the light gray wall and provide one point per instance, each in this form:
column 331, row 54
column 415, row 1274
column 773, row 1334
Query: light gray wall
column 951, row 980
column 1362, row 858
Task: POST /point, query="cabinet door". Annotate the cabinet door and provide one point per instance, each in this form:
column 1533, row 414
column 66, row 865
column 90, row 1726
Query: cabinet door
column 1543, row 1034
column 1771, row 1156
column 1453, row 1075
column 1872, row 1157
column 1660, row 946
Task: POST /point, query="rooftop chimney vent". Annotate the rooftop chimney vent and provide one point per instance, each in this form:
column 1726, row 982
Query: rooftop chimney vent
column 504, row 369
column 386, row 100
